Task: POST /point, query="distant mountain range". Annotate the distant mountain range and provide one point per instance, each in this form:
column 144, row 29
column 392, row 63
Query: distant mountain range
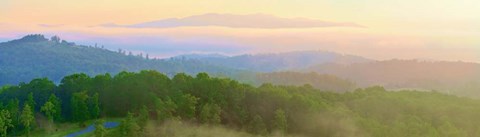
column 201, row 56
column 324, row 82
column 278, row 61
column 35, row 56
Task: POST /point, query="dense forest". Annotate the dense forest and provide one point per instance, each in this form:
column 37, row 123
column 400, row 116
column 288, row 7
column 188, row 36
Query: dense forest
column 148, row 102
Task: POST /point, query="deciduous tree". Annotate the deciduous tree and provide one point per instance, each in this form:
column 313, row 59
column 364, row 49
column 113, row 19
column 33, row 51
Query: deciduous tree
column 49, row 110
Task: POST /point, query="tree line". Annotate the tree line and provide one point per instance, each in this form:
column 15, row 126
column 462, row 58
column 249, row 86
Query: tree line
column 268, row 109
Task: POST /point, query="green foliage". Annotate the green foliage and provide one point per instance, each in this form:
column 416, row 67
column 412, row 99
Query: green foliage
column 5, row 122
column 30, row 101
column 257, row 126
column 210, row 114
column 100, row 130
column 95, row 106
column 129, row 127
column 49, row 110
column 143, row 118
column 280, row 121
column 187, row 106
column 14, row 109
column 57, row 106
column 263, row 110
column 446, row 129
column 164, row 109
column 27, row 118
column 3, row 88
column 80, row 109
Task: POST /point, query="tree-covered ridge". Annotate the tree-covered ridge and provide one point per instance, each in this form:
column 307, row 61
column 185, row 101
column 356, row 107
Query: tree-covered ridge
column 319, row 81
column 277, row 61
column 459, row 78
column 264, row 110
column 35, row 56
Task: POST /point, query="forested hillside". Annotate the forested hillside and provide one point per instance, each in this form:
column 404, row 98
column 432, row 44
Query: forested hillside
column 35, row 56
column 319, row 81
column 279, row 61
column 148, row 100
column 460, row 78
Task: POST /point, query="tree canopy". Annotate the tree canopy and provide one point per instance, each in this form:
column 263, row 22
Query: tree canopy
column 263, row 110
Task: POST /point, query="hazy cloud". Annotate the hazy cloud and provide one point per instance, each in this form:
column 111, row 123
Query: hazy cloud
column 50, row 25
column 237, row 21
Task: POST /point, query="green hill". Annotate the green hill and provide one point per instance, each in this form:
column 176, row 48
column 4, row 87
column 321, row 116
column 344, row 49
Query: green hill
column 35, row 56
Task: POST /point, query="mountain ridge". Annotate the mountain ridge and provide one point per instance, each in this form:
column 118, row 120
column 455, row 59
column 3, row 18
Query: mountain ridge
column 268, row 62
column 35, row 56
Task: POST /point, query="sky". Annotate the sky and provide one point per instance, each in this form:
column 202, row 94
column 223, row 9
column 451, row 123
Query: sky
column 378, row 29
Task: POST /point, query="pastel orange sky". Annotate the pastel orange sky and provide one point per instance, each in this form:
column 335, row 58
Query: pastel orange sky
column 428, row 29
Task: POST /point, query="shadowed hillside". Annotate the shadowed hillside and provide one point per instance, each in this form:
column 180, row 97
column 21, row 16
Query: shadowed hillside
column 36, row 56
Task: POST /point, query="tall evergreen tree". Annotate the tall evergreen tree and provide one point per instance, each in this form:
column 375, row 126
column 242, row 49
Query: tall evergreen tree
column 5, row 122
column 30, row 101
column 95, row 107
column 27, row 118
column 14, row 108
column 80, row 109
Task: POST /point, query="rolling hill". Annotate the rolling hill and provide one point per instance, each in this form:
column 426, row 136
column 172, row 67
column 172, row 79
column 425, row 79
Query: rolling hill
column 320, row 81
column 278, row 61
column 461, row 78
column 35, row 56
